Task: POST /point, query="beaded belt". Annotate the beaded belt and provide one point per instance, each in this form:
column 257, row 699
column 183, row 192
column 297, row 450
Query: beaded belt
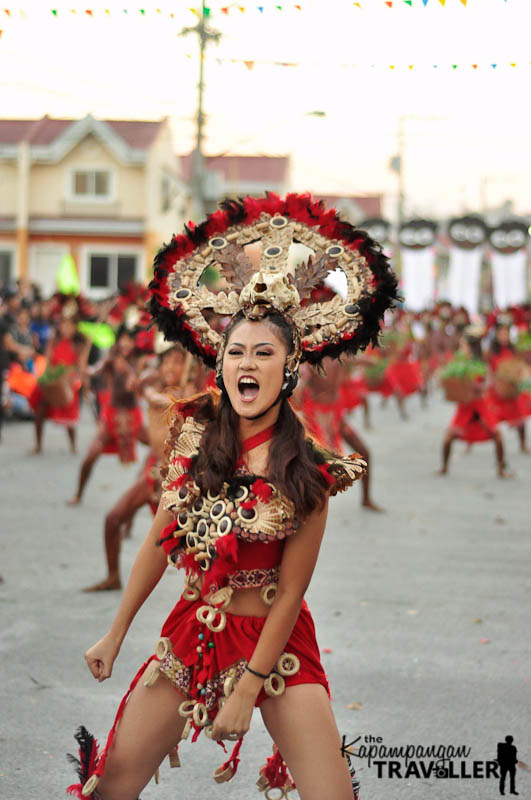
column 253, row 578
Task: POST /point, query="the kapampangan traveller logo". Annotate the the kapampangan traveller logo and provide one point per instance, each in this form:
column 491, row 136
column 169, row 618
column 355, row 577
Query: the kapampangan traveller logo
column 441, row 761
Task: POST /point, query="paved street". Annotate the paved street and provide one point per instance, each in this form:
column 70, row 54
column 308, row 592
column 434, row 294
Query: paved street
column 425, row 611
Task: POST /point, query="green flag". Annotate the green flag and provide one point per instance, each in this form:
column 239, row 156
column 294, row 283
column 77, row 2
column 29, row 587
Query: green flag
column 67, row 277
column 98, row 332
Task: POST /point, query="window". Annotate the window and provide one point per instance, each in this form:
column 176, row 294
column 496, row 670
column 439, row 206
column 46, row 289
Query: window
column 92, row 184
column 6, row 267
column 111, row 271
column 99, row 272
column 126, row 272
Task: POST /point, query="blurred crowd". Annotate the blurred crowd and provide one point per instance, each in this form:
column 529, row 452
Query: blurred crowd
column 60, row 352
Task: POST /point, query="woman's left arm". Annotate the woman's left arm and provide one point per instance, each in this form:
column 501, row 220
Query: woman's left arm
column 296, row 569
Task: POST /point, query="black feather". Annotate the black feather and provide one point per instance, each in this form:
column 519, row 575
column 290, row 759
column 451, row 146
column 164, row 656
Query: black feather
column 88, row 747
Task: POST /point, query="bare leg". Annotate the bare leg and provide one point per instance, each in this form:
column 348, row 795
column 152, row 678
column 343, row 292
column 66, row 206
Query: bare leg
column 367, row 414
column 356, row 443
column 447, row 446
column 503, row 472
column 302, row 725
column 143, row 436
column 94, row 452
column 401, row 406
column 150, row 727
column 124, row 511
column 522, row 438
column 40, row 416
column 71, row 431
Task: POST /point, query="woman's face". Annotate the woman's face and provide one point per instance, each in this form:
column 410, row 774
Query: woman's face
column 67, row 328
column 502, row 335
column 125, row 344
column 253, row 367
column 171, row 367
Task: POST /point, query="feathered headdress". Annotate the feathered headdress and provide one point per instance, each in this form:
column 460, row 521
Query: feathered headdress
column 328, row 328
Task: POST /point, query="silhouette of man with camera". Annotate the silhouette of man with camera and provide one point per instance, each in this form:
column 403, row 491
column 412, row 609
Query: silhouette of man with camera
column 506, row 757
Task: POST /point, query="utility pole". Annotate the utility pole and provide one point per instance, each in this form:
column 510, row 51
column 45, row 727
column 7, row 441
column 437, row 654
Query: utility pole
column 206, row 35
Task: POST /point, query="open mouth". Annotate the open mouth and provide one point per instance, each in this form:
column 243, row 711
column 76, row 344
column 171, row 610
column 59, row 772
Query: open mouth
column 248, row 389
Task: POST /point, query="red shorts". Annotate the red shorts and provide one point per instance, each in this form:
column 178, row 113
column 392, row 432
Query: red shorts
column 405, row 377
column 65, row 415
column 385, row 387
column 466, row 425
column 513, row 411
column 352, row 393
column 233, row 646
column 122, row 426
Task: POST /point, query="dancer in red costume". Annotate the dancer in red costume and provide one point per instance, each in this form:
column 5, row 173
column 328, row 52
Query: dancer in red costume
column 474, row 420
column 243, row 508
column 158, row 387
column 325, row 401
column 508, row 403
column 120, row 424
column 69, row 349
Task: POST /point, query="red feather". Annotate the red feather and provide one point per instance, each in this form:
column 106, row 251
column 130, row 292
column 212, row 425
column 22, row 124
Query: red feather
column 326, row 475
column 248, row 503
column 262, row 490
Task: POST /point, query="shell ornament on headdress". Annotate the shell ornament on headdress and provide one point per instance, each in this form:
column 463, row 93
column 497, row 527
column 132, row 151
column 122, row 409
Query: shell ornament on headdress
column 328, row 328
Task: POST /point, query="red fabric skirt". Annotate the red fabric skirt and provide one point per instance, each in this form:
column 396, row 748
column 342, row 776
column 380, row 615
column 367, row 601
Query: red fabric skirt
column 385, row 387
column 233, row 646
column 235, row 642
column 513, row 411
column 65, row 415
column 352, row 393
column 466, row 425
column 121, row 429
column 323, row 421
column 405, row 377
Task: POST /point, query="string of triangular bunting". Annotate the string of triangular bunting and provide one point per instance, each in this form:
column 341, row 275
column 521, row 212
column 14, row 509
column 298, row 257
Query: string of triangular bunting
column 228, row 9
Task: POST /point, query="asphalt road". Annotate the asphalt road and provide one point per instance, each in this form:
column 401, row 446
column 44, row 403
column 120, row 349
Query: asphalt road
column 423, row 612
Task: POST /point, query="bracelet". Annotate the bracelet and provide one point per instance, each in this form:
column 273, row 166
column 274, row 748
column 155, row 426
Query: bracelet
column 259, row 674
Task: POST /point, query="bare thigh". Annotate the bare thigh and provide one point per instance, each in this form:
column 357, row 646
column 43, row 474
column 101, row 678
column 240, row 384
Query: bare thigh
column 303, row 727
column 149, row 728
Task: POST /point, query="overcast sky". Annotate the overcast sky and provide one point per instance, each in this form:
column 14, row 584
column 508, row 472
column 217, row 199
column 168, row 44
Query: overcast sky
column 466, row 131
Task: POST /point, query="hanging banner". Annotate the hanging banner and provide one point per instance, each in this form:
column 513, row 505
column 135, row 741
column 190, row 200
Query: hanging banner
column 417, row 239
column 468, row 235
column 380, row 230
column 508, row 259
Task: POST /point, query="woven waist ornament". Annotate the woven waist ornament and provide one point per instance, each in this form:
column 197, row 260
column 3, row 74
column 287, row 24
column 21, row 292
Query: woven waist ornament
column 185, row 309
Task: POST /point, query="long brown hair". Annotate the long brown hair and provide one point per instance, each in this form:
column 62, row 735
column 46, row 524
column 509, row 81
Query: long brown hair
column 292, row 463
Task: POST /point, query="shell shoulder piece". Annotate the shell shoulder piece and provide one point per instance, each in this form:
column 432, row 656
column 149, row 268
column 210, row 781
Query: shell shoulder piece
column 345, row 470
column 182, row 446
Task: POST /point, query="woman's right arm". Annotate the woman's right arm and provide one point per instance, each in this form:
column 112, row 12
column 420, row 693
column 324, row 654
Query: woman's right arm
column 147, row 571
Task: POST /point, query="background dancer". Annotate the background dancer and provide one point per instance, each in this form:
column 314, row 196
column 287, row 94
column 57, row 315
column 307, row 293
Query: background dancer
column 156, row 387
column 66, row 356
column 474, row 420
column 120, row 423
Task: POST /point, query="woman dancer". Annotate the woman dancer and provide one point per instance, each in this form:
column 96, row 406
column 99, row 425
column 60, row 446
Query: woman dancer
column 68, row 348
column 120, row 423
column 474, row 419
column 243, row 509
column 157, row 386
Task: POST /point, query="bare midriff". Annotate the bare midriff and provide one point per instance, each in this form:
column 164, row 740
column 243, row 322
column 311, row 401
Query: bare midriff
column 244, row 602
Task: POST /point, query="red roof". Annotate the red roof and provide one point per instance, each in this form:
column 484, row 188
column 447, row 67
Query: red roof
column 243, row 168
column 136, row 133
column 370, row 204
